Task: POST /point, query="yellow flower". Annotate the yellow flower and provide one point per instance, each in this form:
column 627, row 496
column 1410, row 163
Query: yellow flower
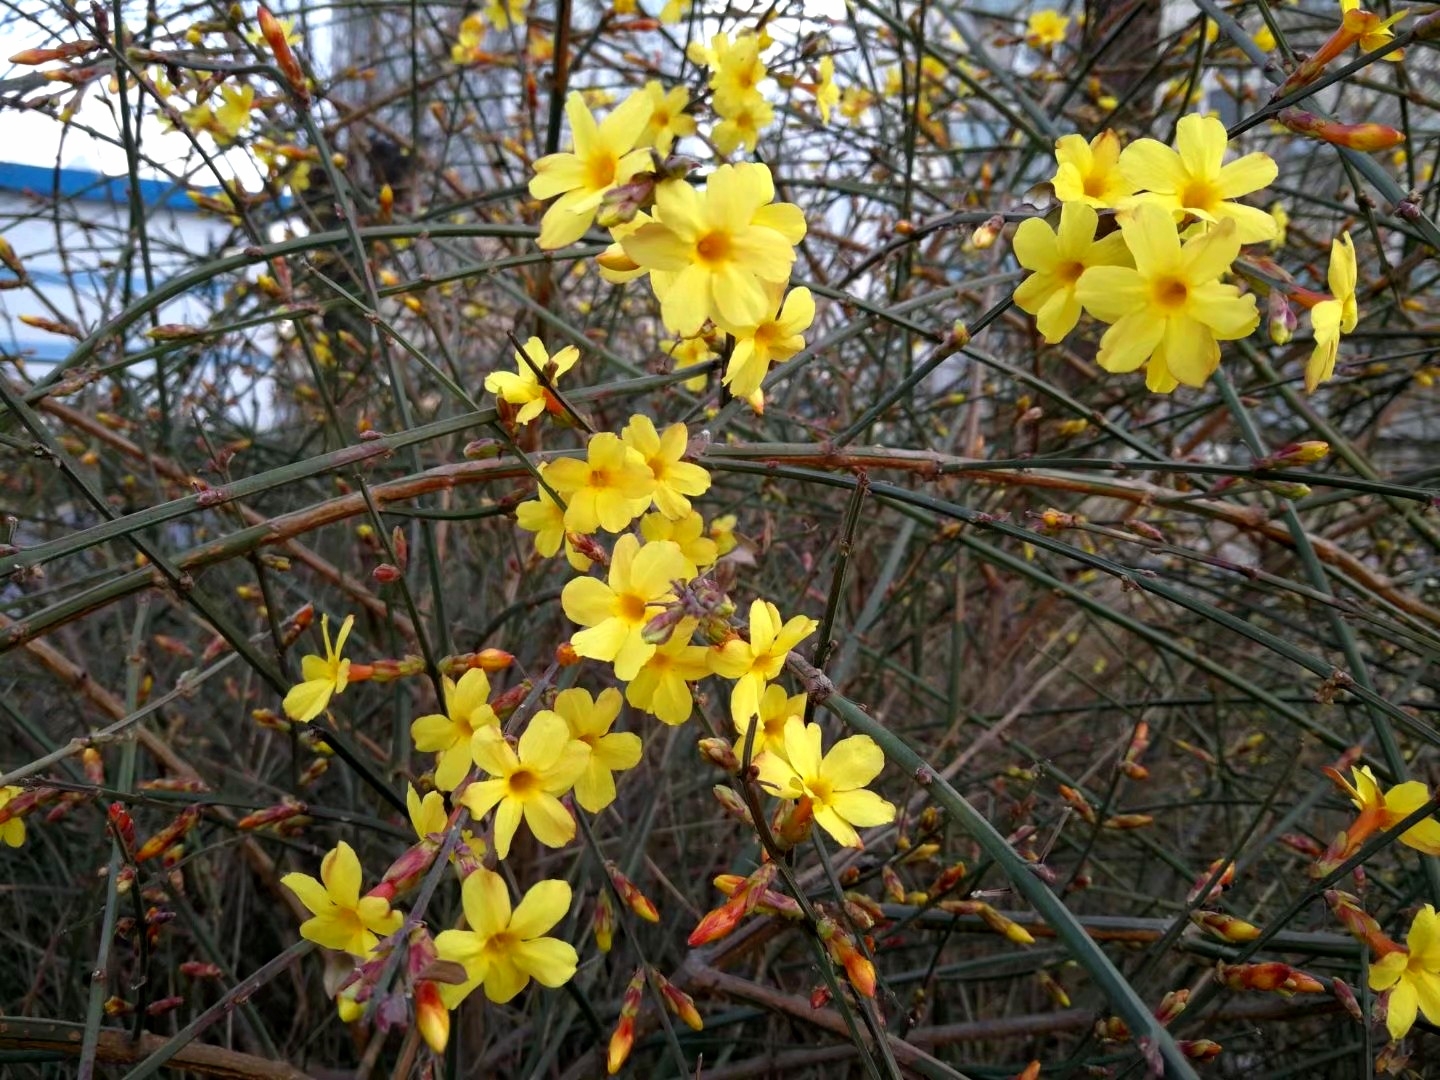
column 503, row 14
column 1377, row 33
column 287, row 26
column 12, row 831
column 674, row 11
column 323, row 676
column 430, row 820
column 1412, row 975
column 723, row 246
column 1331, row 318
column 758, row 345
column 601, row 491
column 722, row 531
column 467, row 709
column 1090, row 172
column 1194, row 177
column 1057, row 260
column 234, row 111
column 589, row 721
column 603, row 156
column 342, row 918
column 674, row 479
column 640, row 583
column 827, row 94
column 468, row 39
column 504, row 950
column 736, row 72
column 668, row 119
column 688, row 533
column 1282, row 225
column 689, row 352
column 758, row 661
column 742, row 125
column 661, row 687
column 1172, row 308
column 524, row 388
column 1046, row 29
column 1382, row 810
column 777, row 709
column 1264, row 38
column 835, row 783
column 544, row 517
column 526, row 781
column 855, row 102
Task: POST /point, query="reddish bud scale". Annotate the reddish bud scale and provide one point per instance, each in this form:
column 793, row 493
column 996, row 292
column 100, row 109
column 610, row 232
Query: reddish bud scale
column 405, row 872
column 630, row 893
column 1272, row 975
column 1172, row 1005
column 271, row 815
column 121, row 824
column 199, row 969
column 164, row 1005
column 1199, row 1049
column 1303, row 844
column 505, row 704
column 720, row 753
column 894, row 887
column 1366, row 138
column 1078, row 801
column 947, row 880
column 819, row 997
column 1223, row 882
column 275, row 37
column 1343, row 994
column 680, row 1003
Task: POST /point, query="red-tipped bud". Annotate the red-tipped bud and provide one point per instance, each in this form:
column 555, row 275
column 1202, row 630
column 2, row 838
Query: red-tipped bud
column 171, row 834
column 504, row 705
column 894, row 887
column 680, row 1003
column 271, row 815
column 565, row 655
column 622, row 1040
column 1199, row 1049
column 819, row 997
column 164, row 1005
column 1273, row 975
column 1079, row 803
column 591, row 548
column 1223, row 882
column 794, row 823
column 630, row 893
column 1367, row 138
column 1225, row 927
column 431, row 1017
column 1303, row 844
column 199, row 969
column 1343, row 994
column 947, row 880
column 1171, row 1006
column 859, row 971
column 602, row 924
column 275, row 37
column 386, row 573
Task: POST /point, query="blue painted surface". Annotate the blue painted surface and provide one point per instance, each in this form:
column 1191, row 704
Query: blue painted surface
column 87, row 186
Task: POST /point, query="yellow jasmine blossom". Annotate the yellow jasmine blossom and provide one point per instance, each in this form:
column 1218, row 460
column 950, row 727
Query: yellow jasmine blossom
column 1194, row 178
column 544, row 517
column 668, row 119
column 505, row 949
column 430, row 820
column 662, row 686
column 1282, row 225
column 503, row 14
column 855, row 102
column 1411, row 975
column 467, row 709
column 601, row 492
column 689, row 535
column 722, row 531
column 615, row 613
column 1171, row 309
column 835, row 783
column 827, row 94
column 342, row 918
column 526, row 781
column 234, row 111
column 723, row 246
column 323, row 676
column 12, row 831
column 1376, row 36
column 775, row 338
column 1331, row 318
column 674, row 479
column 602, row 157
column 690, row 352
column 755, row 662
column 742, row 125
column 1090, row 172
column 590, row 721
column 1057, row 259
column 1264, row 38
column 468, row 39
column 777, row 709
column 1046, row 29
column 1381, row 810
column 736, row 72
column 287, row 27
column 524, row 388
column 674, row 11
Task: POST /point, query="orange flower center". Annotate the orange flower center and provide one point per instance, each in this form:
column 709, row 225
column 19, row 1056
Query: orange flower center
column 1094, row 185
column 600, row 171
column 1201, row 195
column 820, row 789
column 1170, row 293
column 1069, row 272
column 714, row 247
column 630, row 607
column 523, row 783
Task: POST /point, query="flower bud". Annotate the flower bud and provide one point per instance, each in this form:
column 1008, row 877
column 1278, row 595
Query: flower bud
column 727, row 797
column 602, row 924
column 630, row 893
column 482, row 449
column 794, row 823
column 271, row 815
column 720, row 753
column 1367, row 138
column 1225, row 880
column 1199, row 1049
column 1225, row 927
column 680, row 1003
column 984, row 236
column 169, row 835
column 275, row 37
column 1282, row 320
column 431, row 1016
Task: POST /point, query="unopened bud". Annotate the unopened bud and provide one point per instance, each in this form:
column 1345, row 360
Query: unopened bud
column 720, row 753
column 735, row 806
column 630, row 893
column 482, row 449
column 431, row 1016
column 984, row 236
column 1199, row 1049
column 1172, row 1005
column 1367, row 138
column 1225, row 927
column 680, row 1003
column 169, row 835
column 603, row 923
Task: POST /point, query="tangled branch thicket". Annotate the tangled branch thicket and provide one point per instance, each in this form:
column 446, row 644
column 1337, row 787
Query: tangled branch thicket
column 721, row 541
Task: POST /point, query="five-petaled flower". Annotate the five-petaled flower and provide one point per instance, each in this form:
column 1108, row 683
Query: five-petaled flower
column 614, row 612
column 1170, row 310
column 448, row 735
column 1381, row 810
column 603, row 156
column 675, row 479
column 342, row 918
column 1411, row 975
column 505, row 949
column 776, row 337
column 777, row 709
column 668, row 119
column 759, row 660
column 1057, row 259
column 590, row 720
column 524, row 387
column 662, row 685
column 323, row 676
column 1194, row 178
column 1331, row 318
column 603, row 491
column 1046, row 28
column 526, row 781
column 1090, row 172
column 836, row 783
